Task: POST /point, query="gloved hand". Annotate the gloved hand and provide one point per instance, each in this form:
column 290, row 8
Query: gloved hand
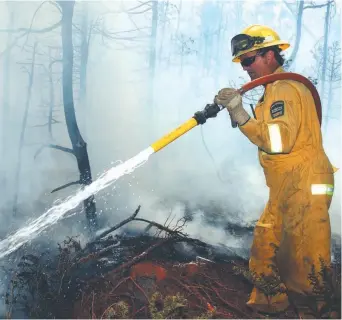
column 232, row 100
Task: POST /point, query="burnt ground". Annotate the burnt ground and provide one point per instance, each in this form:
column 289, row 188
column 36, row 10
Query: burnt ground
column 139, row 276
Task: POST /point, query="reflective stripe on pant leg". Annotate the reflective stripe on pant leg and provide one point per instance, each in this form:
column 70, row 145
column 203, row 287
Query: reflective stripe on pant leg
column 317, row 189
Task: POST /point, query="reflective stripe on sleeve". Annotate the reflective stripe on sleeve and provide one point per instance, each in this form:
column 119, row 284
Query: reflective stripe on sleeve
column 275, row 138
column 322, row 189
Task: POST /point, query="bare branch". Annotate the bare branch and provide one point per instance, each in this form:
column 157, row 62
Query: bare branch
column 66, row 185
column 28, row 30
column 140, row 12
column 76, row 27
column 127, row 31
column 140, row 5
column 53, row 146
column 109, row 36
column 32, row 20
column 54, row 61
column 316, row 6
column 45, row 124
column 288, row 6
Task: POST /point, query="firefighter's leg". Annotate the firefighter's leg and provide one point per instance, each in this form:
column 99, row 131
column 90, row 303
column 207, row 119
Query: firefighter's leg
column 306, row 233
column 267, row 236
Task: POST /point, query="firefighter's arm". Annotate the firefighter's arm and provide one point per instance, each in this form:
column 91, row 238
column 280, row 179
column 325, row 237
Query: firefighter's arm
column 278, row 131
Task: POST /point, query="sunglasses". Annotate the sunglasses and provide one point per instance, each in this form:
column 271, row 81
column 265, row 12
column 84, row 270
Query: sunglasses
column 249, row 61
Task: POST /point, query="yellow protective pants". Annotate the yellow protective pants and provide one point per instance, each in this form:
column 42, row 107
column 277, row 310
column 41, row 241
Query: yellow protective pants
column 296, row 220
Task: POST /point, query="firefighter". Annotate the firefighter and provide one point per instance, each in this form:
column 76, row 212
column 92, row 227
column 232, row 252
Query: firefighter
column 293, row 232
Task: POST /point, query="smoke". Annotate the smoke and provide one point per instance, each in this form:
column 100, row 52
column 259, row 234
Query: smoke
column 213, row 169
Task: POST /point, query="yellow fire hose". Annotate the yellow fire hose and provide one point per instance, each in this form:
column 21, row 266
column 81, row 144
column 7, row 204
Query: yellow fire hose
column 211, row 110
column 173, row 135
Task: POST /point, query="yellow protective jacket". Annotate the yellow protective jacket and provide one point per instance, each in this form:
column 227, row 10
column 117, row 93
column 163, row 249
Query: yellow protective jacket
column 286, row 129
column 300, row 178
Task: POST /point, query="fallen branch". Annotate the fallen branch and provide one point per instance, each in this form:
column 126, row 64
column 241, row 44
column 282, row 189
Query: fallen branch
column 139, row 257
column 159, row 226
column 119, row 225
column 94, row 255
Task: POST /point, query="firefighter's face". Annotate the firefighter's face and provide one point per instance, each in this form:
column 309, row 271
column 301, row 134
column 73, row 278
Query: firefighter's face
column 254, row 64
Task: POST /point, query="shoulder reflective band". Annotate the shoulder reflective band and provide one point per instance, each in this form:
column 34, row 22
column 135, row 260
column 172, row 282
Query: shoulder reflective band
column 275, row 138
column 322, row 189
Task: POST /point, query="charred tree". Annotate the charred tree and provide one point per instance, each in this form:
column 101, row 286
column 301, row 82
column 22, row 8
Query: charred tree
column 210, row 23
column 23, row 130
column 325, row 46
column 164, row 8
column 298, row 33
column 85, row 35
column 6, row 103
column 152, row 54
column 51, row 97
column 51, row 120
column 299, row 26
column 51, row 104
column 334, row 77
column 293, row 13
column 84, row 53
column 79, row 146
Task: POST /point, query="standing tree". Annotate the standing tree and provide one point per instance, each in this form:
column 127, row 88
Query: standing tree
column 333, row 73
column 301, row 6
column 210, row 16
column 334, row 76
column 185, row 47
column 79, row 146
column 163, row 10
column 325, row 46
column 48, row 71
column 5, row 101
column 153, row 54
column 31, row 73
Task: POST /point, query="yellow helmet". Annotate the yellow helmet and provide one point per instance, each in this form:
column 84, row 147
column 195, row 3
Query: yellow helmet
column 253, row 38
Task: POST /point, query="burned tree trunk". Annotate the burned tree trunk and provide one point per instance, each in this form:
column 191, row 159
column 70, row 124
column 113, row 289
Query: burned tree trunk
column 152, row 54
column 334, row 76
column 84, row 53
column 51, row 96
column 79, row 146
column 164, row 7
column 325, row 48
column 6, row 104
column 298, row 34
column 23, row 129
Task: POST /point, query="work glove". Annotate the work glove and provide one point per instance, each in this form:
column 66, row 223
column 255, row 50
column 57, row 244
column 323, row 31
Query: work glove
column 232, row 100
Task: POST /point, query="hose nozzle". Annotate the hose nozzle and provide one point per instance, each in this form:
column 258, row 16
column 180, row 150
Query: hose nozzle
column 210, row 111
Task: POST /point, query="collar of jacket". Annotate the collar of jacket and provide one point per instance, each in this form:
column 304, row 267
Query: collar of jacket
column 279, row 70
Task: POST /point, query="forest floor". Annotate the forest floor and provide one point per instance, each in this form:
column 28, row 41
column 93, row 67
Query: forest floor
column 165, row 275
